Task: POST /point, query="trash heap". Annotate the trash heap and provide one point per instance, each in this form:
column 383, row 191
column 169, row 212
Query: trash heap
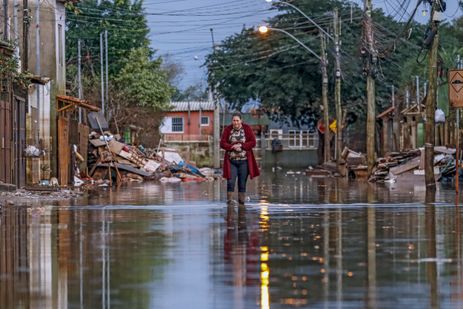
column 113, row 160
column 393, row 164
column 110, row 160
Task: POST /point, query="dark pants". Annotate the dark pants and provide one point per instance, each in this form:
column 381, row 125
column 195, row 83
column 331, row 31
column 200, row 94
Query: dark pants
column 239, row 169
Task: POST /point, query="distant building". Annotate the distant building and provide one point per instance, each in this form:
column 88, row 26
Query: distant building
column 188, row 121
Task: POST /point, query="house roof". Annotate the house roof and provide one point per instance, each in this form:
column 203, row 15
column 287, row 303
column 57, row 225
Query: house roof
column 248, row 119
column 386, row 112
column 185, row 106
column 413, row 110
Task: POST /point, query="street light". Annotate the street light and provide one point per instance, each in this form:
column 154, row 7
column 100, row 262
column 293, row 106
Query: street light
column 265, row 29
column 303, row 14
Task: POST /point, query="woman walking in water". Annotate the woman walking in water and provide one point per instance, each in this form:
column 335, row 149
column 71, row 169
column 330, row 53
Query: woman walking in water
column 239, row 162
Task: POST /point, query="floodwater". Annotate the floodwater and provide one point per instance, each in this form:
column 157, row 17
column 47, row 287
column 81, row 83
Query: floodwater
column 300, row 242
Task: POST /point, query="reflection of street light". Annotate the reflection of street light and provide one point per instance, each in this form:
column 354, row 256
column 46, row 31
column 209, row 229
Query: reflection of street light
column 265, row 29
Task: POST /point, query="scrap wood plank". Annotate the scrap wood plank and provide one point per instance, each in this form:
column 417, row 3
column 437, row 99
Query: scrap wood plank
column 115, row 146
column 127, row 168
column 413, row 163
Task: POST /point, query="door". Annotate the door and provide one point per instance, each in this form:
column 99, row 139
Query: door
column 5, row 132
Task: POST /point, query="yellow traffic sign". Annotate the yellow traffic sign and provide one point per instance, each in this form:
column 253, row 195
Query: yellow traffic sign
column 456, row 88
column 333, row 126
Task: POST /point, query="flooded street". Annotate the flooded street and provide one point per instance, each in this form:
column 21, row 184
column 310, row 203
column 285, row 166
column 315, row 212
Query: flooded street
column 299, row 242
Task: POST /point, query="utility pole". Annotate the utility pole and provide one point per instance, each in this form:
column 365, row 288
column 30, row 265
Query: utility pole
column 457, row 156
column 216, row 151
column 326, row 120
column 371, row 55
column 26, row 21
column 431, row 100
column 102, row 74
column 5, row 20
column 393, row 96
column 37, row 62
column 106, row 65
column 337, row 88
column 16, row 32
column 417, row 92
column 407, row 97
column 79, row 77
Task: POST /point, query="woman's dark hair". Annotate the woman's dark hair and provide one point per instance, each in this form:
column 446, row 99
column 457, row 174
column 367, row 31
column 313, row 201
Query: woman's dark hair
column 236, row 114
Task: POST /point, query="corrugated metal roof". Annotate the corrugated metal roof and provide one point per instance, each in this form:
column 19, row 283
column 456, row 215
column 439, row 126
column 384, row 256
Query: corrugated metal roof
column 184, row 106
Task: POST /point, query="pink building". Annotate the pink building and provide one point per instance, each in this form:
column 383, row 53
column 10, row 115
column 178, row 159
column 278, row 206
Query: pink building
column 189, row 121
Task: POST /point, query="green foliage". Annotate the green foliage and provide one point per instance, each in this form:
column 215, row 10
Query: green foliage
column 9, row 69
column 142, row 82
column 126, row 25
column 135, row 75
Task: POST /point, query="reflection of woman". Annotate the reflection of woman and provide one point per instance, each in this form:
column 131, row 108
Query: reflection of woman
column 238, row 140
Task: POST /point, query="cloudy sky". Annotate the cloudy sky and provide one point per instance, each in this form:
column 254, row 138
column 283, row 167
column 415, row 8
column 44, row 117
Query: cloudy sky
column 181, row 28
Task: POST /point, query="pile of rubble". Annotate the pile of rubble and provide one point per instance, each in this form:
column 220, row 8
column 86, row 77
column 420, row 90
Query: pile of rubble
column 110, row 160
column 393, row 164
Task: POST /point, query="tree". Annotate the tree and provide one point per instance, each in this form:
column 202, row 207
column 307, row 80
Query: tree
column 126, row 25
column 142, row 82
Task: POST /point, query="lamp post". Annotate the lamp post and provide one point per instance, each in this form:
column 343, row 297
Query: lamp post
column 303, row 14
column 323, row 63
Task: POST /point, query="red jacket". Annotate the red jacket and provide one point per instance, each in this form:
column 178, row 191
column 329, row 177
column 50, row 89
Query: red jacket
column 248, row 145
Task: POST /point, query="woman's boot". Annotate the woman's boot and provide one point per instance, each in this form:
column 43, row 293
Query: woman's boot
column 229, row 197
column 241, row 197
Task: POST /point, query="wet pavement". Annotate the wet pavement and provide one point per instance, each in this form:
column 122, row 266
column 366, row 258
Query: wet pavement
column 300, row 242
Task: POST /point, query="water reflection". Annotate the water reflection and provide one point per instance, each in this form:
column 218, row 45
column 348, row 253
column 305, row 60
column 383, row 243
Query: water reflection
column 174, row 246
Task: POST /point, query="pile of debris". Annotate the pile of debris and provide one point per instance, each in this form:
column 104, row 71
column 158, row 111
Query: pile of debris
column 110, row 160
column 393, row 164
column 355, row 163
column 116, row 161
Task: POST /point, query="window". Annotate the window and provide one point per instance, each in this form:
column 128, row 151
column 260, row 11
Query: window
column 177, row 124
column 204, row 121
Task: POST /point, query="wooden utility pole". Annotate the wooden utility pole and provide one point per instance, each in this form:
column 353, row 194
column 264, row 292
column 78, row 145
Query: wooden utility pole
column 102, row 76
column 337, row 88
column 326, row 120
column 5, row 21
column 216, row 133
column 371, row 55
column 26, row 21
column 431, row 103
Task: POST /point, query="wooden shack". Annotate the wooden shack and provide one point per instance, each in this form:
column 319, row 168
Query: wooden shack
column 412, row 127
column 72, row 130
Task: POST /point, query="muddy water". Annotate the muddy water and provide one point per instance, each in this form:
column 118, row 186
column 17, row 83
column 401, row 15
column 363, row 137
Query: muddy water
column 300, row 242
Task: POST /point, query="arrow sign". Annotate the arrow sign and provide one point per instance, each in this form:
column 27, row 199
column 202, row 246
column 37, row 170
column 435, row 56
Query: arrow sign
column 456, row 88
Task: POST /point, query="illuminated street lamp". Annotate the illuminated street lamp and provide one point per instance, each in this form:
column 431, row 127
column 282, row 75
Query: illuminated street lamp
column 265, row 29
column 303, row 14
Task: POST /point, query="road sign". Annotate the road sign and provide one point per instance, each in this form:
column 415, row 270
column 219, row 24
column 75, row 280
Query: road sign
column 456, row 88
